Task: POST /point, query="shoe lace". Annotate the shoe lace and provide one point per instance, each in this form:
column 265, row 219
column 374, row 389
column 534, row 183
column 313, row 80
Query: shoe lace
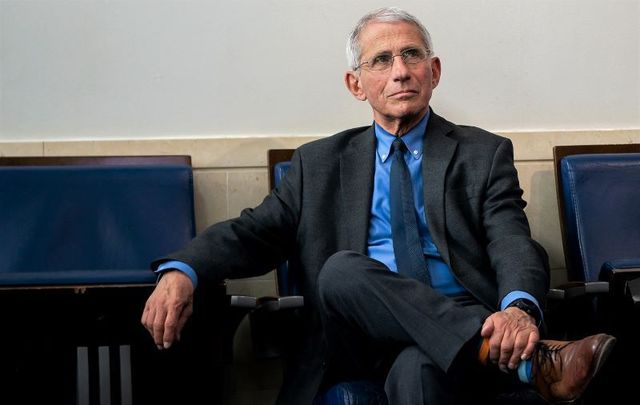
column 547, row 353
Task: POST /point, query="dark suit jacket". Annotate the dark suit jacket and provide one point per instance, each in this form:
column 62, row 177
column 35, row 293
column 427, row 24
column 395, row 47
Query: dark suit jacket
column 474, row 211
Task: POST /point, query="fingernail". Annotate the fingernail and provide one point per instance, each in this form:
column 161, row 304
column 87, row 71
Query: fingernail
column 158, row 347
column 503, row 368
column 167, row 345
column 524, row 357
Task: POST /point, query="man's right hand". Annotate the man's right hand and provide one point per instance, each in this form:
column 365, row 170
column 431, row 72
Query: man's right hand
column 513, row 335
column 168, row 308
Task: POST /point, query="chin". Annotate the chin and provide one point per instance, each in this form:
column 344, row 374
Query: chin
column 408, row 112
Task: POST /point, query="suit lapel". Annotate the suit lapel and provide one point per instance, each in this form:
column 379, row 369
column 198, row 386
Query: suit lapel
column 357, row 167
column 438, row 152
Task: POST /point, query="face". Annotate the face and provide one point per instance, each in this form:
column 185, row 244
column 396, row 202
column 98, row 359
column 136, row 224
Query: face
column 400, row 95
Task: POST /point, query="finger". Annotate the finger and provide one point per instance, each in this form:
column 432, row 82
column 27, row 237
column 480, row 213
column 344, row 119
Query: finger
column 495, row 343
column 487, row 328
column 158, row 326
column 170, row 325
column 506, row 350
column 182, row 320
column 534, row 337
column 148, row 315
column 144, row 318
column 521, row 342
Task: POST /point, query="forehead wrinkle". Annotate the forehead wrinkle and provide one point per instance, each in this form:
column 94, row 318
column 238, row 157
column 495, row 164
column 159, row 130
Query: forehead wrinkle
column 389, row 41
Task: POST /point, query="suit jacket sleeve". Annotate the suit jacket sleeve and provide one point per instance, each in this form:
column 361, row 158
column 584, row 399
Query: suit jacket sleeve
column 253, row 243
column 519, row 261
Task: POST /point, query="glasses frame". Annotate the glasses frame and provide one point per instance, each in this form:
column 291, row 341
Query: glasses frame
column 427, row 52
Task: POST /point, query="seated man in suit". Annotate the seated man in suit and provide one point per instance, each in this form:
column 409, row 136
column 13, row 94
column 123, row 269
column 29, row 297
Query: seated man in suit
column 412, row 247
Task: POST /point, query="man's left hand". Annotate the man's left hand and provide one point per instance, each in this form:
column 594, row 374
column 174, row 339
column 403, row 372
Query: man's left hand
column 512, row 335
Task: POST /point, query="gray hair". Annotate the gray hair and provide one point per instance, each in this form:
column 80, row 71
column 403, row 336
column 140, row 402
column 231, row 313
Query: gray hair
column 388, row 15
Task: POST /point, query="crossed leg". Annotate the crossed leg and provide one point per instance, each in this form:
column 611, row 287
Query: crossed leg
column 383, row 325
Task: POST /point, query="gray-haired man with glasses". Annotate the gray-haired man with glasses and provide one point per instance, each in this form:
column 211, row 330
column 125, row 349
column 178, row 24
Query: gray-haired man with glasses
column 411, row 246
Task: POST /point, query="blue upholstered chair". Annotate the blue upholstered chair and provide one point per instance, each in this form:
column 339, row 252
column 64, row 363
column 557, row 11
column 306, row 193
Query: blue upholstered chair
column 598, row 194
column 77, row 235
column 88, row 221
column 598, row 190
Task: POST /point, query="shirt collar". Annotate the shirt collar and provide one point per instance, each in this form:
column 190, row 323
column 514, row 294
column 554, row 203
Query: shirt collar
column 413, row 139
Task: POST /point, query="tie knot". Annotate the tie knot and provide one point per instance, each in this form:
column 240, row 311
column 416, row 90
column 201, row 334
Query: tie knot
column 398, row 145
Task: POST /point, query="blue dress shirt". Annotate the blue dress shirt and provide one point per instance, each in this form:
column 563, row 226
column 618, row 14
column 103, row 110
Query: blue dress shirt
column 380, row 243
column 183, row 267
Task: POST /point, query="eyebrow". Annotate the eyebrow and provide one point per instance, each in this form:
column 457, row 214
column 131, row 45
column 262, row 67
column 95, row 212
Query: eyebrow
column 412, row 46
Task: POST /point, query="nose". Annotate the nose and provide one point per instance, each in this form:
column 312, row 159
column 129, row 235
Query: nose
column 399, row 69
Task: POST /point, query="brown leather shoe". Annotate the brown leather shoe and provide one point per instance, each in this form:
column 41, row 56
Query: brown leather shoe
column 562, row 370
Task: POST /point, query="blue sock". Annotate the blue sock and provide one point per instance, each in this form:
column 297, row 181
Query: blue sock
column 524, row 370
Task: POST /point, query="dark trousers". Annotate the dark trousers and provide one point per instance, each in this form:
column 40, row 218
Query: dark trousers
column 419, row 343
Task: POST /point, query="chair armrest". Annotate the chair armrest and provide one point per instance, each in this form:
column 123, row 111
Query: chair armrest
column 620, row 272
column 267, row 303
column 578, row 289
column 577, row 309
column 243, row 301
column 280, row 303
column 272, row 320
column 633, row 291
column 616, row 274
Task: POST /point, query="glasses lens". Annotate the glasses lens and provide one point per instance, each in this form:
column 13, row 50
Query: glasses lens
column 380, row 62
column 413, row 56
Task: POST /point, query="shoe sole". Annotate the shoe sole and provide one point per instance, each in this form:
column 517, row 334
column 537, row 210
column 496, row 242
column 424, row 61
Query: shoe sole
column 608, row 345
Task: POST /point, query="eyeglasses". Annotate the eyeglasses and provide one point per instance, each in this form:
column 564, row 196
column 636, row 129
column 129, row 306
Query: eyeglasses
column 384, row 61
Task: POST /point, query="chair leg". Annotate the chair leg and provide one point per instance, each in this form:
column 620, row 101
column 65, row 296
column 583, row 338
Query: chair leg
column 125, row 375
column 82, row 376
column 86, row 364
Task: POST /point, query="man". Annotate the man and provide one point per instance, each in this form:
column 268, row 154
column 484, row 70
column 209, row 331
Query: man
column 430, row 324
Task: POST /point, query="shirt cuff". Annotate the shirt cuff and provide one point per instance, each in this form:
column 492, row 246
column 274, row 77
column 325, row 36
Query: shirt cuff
column 180, row 266
column 516, row 295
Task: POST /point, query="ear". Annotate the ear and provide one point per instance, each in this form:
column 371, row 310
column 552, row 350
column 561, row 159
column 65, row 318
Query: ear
column 352, row 81
column 436, row 70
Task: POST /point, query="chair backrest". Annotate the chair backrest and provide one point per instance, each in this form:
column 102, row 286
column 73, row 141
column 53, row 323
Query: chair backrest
column 598, row 190
column 279, row 161
column 82, row 221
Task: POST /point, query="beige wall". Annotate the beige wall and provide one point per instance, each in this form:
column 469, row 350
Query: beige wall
column 168, row 68
column 231, row 174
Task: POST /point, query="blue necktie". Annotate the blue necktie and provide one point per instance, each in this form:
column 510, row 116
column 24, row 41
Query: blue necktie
column 404, row 224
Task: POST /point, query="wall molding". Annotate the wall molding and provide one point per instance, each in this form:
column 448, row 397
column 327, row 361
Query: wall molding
column 247, row 152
